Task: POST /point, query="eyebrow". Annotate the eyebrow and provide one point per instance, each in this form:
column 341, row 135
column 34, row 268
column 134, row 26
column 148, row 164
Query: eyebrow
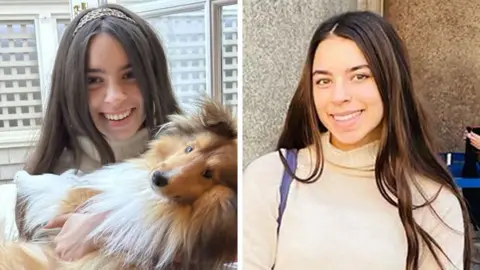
column 324, row 72
column 127, row 66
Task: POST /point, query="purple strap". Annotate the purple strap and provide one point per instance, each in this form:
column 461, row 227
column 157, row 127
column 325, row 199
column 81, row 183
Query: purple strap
column 285, row 185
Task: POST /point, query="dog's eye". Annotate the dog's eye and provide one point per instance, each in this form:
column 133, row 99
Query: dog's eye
column 188, row 149
column 207, row 174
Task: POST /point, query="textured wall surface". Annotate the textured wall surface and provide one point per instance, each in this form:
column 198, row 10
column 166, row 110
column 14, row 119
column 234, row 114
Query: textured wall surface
column 443, row 39
column 276, row 34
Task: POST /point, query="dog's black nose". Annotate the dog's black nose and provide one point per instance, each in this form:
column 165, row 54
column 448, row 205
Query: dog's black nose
column 159, row 179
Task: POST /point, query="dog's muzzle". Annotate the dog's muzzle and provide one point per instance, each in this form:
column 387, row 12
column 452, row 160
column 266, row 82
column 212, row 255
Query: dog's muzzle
column 159, row 179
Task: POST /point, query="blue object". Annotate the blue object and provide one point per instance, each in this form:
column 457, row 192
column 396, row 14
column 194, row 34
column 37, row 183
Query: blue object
column 456, row 165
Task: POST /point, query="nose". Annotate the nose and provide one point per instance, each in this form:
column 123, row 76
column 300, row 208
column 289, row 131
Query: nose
column 114, row 94
column 340, row 93
column 159, row 179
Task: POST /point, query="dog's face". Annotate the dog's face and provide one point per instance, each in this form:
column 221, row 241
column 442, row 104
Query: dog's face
column 185, row 168
column 194, row 155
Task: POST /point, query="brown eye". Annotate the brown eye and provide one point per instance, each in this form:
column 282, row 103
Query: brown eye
column 188, row 149
column 207, row 173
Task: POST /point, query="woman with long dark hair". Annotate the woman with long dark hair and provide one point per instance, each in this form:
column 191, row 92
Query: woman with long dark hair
column 355, row 182
column 110, row 90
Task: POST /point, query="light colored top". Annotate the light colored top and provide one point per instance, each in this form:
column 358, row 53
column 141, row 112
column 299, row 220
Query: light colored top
column 341, row 221
column 90, row 161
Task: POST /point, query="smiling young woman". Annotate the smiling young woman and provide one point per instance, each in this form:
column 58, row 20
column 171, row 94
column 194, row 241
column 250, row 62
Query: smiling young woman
column 110, row 90
column 368, row 189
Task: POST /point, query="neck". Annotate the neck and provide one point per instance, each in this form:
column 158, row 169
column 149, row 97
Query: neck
column 360, row 158
column 122, row 150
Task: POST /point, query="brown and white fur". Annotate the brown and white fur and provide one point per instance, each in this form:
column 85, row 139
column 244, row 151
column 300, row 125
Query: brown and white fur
column 177, row 202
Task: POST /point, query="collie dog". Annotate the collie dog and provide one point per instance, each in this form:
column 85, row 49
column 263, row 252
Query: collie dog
column 174, row 207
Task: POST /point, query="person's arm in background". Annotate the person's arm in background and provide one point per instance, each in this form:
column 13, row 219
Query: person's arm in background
column 260, row 196
column 474, row 139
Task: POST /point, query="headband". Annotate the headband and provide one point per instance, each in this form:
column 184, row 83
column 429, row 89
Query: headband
column 100, row 13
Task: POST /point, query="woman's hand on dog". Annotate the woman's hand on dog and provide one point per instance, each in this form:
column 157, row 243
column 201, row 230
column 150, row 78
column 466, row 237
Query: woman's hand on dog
column 70, row 242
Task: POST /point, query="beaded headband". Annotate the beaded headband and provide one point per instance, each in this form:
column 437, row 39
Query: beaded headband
column 99, row 13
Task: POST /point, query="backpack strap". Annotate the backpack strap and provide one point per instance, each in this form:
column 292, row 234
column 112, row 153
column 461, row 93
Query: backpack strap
column 285, row 184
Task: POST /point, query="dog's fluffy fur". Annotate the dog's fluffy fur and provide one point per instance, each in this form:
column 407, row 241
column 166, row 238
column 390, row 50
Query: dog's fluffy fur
column 191, row 219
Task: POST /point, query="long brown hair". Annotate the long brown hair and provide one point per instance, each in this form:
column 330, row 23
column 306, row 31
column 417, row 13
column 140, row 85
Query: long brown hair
column 67, row 112
column 405, row 125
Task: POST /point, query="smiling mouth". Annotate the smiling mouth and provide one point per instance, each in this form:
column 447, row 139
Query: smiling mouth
column 118, row 116
column 346, row 117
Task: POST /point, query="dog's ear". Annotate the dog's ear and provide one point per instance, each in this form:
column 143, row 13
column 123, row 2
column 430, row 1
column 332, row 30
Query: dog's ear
column 212, row 237
column 217, row 118
column 210, row 115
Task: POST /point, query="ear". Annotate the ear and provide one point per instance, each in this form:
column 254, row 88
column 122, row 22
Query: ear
column 213, row 231
column 211, row 116
column 218, row 119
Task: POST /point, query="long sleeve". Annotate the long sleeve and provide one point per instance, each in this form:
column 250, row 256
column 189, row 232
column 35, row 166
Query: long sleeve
column 260, row 202
column 447, row 232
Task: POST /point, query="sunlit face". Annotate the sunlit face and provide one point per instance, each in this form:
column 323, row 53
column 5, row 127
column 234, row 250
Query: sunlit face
column 346, row 96
column 115, row 100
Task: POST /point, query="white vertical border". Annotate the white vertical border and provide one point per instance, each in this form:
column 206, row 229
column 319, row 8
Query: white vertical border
column 209, row 43
column 240, row 130
column 216, row 58
column 216, row 47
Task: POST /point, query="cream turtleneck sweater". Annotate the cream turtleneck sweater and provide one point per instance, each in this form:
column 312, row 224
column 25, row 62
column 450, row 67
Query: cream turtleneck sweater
column 90, row 160
column 340, row 222
column 122, row 150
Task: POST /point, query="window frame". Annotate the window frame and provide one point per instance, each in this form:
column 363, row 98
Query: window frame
column 44, row 15
column 213, row 31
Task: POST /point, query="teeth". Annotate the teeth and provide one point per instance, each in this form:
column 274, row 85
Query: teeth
column 117, row 117
column 346, row 117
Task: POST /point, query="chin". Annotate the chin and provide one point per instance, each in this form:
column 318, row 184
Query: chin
column 173, row 207
column 349, row 140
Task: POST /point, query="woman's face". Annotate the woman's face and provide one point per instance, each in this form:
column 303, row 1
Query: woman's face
column 115, row 100
column 346, row 96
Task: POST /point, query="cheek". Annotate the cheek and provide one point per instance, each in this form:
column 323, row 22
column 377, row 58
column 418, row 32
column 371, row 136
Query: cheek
column 95, row 100
column 135, row 97
column 320, row 101
column 370, row 96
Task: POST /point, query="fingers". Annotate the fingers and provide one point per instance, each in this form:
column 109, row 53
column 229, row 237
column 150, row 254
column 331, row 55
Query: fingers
column 58, row 221
column 64, row 251
column 474, row 139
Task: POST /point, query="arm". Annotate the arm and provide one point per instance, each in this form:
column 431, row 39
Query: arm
column 259, row 214
column 449, row 234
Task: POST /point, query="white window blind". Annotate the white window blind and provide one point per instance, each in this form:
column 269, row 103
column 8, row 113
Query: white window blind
column 20, row 95
column 183, row 36
column 230, row 57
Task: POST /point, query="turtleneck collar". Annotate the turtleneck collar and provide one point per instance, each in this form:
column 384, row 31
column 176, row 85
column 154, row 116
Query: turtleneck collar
column 362, row 158
column 359, row 161
column 122, row 150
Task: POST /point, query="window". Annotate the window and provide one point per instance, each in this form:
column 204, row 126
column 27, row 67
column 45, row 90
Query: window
column 61, row 25
column 229, row 55
column 18, row 76
column 184, row 33
column 200, row 37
